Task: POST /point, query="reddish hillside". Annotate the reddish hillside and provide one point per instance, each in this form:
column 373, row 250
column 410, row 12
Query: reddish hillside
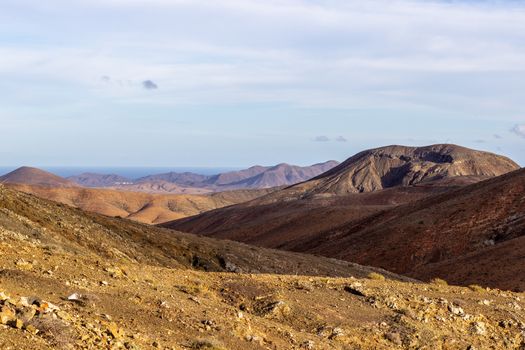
column 138, row 206
column 464, row 235
column 281, row 224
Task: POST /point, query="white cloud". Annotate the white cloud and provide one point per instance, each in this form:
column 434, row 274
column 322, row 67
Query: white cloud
column 350, row 54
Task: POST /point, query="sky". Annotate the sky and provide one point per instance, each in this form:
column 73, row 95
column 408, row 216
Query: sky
column 232, row 83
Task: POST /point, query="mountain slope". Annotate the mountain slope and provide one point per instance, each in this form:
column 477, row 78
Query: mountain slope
column 280, row 224
column 392, row 166
column 75, row 280
column 467, row 230
column 34, row 176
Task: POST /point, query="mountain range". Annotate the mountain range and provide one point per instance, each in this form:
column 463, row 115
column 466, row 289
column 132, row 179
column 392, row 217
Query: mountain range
column 255, row 177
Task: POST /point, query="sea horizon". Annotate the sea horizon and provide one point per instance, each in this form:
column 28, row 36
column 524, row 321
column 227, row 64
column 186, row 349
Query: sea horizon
column 130, row 172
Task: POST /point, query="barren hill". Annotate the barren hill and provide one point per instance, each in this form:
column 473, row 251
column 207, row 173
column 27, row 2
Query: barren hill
column 138, row 206
column 70, row 279
column 34, row 176
column 391, row 166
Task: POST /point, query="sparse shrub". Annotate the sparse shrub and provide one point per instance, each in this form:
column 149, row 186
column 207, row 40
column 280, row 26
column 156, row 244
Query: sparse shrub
column 55, row 331
column 197, row 289
column 207, row 344
column 439, row 282
column 376, row 276
column 476, row 288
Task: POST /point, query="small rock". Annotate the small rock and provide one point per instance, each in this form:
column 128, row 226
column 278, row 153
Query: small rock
column 24, row 265
column 456, row 310
column 32, row 329
column 478, row 328
column 394, row 337
column 308, row 344
column 114, row 330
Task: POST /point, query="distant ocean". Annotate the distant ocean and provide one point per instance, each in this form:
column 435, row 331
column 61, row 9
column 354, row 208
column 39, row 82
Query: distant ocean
column 128, row 172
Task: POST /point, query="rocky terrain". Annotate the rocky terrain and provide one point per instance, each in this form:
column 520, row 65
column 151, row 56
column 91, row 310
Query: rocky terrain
column 74, row 280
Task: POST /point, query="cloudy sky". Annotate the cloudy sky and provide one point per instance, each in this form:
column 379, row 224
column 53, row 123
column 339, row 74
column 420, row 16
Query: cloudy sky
column 239, row 82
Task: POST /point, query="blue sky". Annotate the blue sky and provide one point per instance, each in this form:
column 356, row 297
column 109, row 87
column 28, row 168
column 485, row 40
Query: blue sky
column 240, row 82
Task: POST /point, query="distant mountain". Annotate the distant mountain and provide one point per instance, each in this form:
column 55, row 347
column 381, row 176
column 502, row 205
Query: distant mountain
column 265, row 177
column 34, row 176
column 256, row 177
column 99, row 180
column 183, row 179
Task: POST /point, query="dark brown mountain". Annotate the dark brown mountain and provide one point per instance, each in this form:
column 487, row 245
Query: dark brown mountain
column 392, row 166
column 34, row 176
column 471, row 231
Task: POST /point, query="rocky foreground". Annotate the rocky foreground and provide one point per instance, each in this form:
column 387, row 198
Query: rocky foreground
column 70, row 280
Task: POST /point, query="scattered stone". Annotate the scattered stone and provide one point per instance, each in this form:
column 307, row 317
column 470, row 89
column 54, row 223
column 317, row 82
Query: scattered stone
column 456, row 310
column 24, row 265
column 394, row 337
column 478, row 328
column 308, row 344
column 114, row 330
column 353, row 290
column 32, row 329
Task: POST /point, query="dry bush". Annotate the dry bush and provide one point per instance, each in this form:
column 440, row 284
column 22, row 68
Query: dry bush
column 207, row 344
column 477, row 288
column 376, row 276
column 439, row 282
column 55, row 331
